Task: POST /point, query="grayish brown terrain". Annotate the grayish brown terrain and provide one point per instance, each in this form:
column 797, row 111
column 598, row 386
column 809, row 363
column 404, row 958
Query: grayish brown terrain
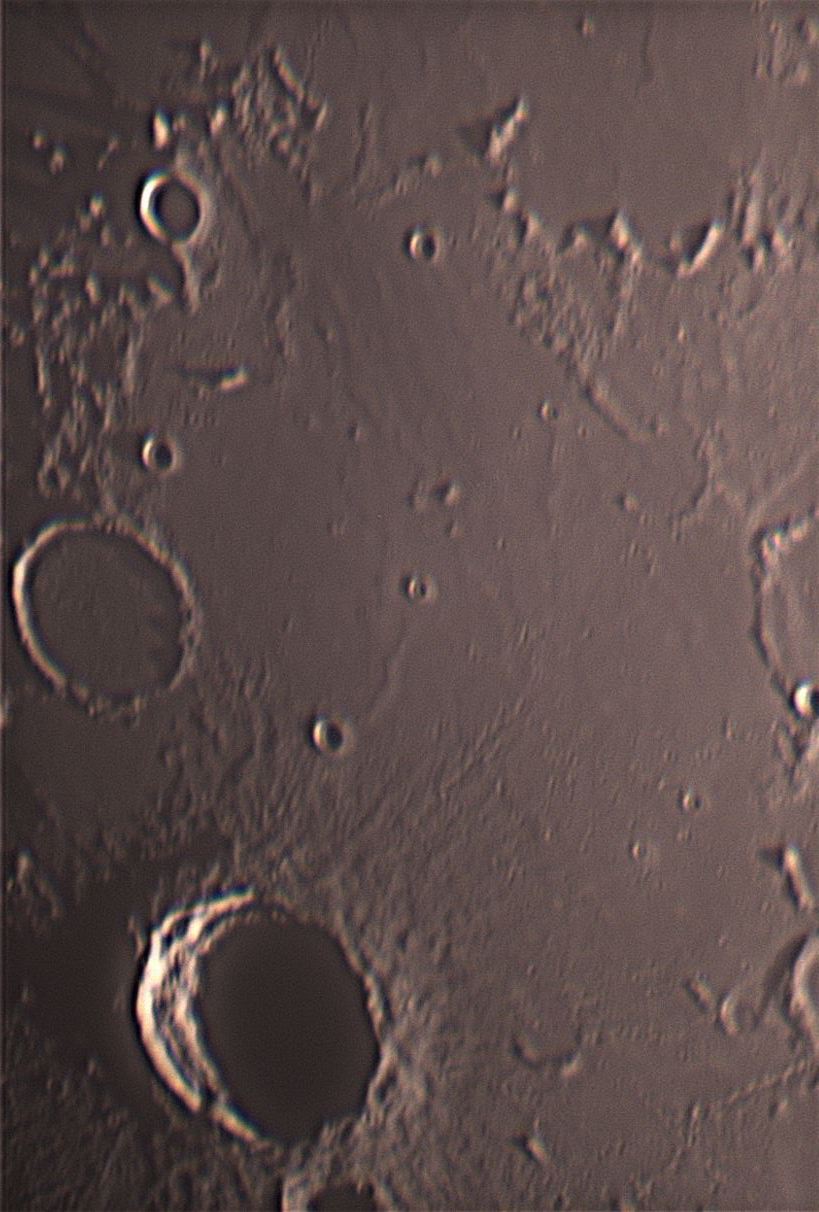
column 411, row 649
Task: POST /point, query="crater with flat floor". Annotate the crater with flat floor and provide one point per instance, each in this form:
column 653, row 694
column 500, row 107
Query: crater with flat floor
column 287, row 1025
column 104, row 612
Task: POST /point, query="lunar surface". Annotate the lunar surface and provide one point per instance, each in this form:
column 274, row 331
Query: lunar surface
column 411, row 650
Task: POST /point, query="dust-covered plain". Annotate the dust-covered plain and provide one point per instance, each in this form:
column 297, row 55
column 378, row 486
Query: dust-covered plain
column 411, row 640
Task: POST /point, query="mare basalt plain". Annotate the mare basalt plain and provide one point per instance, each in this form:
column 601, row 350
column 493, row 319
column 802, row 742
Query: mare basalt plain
column 411, row 635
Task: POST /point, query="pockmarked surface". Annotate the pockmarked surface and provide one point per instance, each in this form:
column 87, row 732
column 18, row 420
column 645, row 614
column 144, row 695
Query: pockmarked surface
column 411, row 760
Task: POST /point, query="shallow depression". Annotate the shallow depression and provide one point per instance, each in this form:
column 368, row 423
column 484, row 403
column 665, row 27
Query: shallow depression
column 345, row 1197
column 287, row 1026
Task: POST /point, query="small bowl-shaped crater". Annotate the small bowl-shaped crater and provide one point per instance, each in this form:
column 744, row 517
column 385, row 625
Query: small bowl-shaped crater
column 331, row 735
column 169, row 207
column 287, row 1024
column 448, row 493
column 160, row 454
column 420, row 588
column 425, row 243
column 805, row 700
